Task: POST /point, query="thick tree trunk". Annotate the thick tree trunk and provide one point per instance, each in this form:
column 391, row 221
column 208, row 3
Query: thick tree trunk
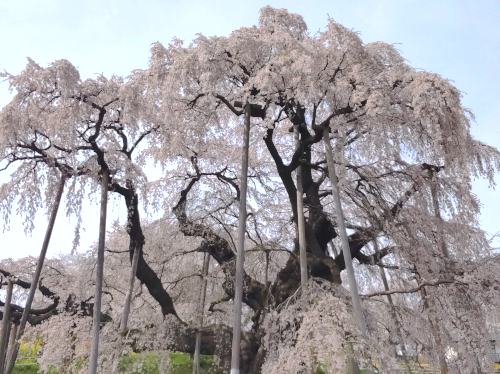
column 203, row 293
column 319, row 232
column 238, row 294
column 11, row 359
column 5, row 326
column 96, row 323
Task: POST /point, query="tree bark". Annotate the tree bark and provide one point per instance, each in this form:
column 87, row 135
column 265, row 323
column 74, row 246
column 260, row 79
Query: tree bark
column 96, row 323
column 5, row 326
column 236, row 345
column 144, row 273
column 203, row 293
column 36, row 278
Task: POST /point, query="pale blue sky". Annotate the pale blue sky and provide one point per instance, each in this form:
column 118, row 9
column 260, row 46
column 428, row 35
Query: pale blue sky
column 459, row 39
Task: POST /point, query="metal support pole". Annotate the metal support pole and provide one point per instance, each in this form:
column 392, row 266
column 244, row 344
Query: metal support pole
column 5, row 326
column 96, row 323
column 300, row 216
column 11, row 359
column 353, row 287
column 238, row 294
column 203, row 293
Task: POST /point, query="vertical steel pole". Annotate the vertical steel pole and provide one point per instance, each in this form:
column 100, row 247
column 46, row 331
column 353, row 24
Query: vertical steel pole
column 353, row 287
column 5, row 325
column 96, row 323
column 203, row 293
column 238, row 294
column 300, row 216
column 36, row 278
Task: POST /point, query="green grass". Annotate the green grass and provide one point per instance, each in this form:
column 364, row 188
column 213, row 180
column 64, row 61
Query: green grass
column 181, row 363
column 25, row 369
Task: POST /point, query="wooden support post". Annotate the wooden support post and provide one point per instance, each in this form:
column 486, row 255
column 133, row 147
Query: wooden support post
column 203, row 293
column 238, row 294
column 300, row 217
column 96, row 323
column 353, row 287
column 444, row 250
column 334, row 250
column 393, row 310
column 128, row 300
column 11, row 336
column 346, row 250
column 5, row 326
column 11, row 345
column 353, row 367
column 437, row 213
column 11, row 359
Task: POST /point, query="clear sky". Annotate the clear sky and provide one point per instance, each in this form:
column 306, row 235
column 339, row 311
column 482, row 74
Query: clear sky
column 459, row 39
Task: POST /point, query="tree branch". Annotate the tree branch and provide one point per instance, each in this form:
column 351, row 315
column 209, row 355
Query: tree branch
column 411, row 290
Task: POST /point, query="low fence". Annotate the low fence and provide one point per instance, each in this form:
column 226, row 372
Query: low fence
column 26, row 360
